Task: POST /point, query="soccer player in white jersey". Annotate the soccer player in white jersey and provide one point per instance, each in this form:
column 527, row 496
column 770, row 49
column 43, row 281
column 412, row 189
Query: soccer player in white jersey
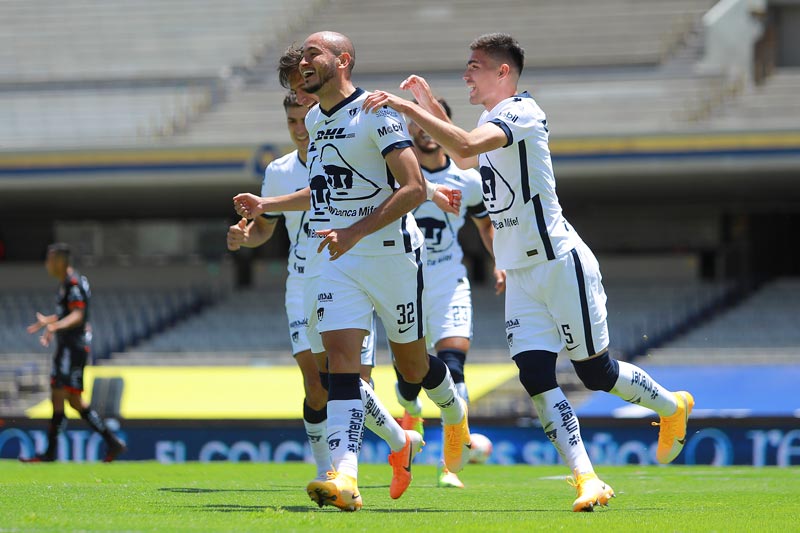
column 448, row 314
column 286, row 175
column 364, row 180
column 554, row 295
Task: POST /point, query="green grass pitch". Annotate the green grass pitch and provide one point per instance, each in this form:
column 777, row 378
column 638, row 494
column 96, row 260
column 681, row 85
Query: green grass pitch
column 147, row 496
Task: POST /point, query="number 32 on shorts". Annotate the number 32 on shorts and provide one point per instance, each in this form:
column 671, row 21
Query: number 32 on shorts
column 407, row 317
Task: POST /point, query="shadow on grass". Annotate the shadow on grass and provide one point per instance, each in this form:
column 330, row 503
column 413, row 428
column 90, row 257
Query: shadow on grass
column 236, row 508
column 278, row 488
column 195, row 490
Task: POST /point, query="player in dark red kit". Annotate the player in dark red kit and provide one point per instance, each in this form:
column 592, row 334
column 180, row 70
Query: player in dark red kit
column 70, row 326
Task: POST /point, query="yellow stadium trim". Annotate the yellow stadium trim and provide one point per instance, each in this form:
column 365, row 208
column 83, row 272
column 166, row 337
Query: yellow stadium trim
column 667, row 143
column 246, row 392
column 560, row 146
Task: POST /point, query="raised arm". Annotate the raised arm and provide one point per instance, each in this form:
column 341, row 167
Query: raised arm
column 463, row 146
column 249, row 205
column 41, row 321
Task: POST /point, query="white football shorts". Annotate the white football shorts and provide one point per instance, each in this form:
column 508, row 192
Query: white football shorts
column 351, row 287
column 449, row 311
column 556, row 305
column 311, row 332
column 296, row 313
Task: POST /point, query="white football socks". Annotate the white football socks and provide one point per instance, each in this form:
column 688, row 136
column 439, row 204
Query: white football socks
column 634, row 385
column 445, row 396
column 319, row 446
column 380, row 421
column 345, row 432
column 561, row 426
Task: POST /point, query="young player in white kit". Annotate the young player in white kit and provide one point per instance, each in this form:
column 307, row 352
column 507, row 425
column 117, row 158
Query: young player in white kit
column 554, row 295
column 448, row 315
column 364, row 179
column 286, row 175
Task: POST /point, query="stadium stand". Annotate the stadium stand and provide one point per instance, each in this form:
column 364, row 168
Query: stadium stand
column 572, row 61
column 114, row 73
column 212, row 77
column 632, row 103
column 96, row 39
column 250, row 325
column 762, row 329
column 575, row 34
column 245, row 324
column 120, row 318
column 773, row 105
column 110, row 116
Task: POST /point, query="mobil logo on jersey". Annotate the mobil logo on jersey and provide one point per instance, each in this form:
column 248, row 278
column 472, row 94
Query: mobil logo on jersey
column 394, row 127
column 498, row 196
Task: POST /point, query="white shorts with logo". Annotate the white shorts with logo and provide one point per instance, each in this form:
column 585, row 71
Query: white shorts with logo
column 449, row 311
column 557, row 304
column 351, row 287
column 296, row 313
column 311, row 332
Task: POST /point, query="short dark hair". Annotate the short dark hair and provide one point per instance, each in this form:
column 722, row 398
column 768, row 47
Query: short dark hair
column 502, row 47
column 60, row 249
column 290, row 100
column 288, row 64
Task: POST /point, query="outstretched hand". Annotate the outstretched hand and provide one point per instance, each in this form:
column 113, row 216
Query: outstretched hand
column 422, row 93
column 338, row 241
column 46, row 337
column 379, row 99
column 237, row 235
column 41, row 321
column 247, row 205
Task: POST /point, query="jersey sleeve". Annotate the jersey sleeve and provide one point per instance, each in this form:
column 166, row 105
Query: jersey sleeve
column 76, row 298
column 269, row 188
column 387, row 128
column 517, row 120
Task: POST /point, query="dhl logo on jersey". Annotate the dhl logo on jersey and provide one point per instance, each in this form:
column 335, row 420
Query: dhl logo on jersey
column 333, row 133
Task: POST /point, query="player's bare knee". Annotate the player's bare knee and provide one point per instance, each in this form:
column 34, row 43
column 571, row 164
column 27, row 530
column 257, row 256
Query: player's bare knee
column 537, row 371
column 598, row 373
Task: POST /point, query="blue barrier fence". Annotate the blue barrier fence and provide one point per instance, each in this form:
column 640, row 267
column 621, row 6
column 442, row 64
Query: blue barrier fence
column 722, row 442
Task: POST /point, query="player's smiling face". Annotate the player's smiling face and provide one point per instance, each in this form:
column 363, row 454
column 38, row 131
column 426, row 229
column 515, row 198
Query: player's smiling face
column 295, row 121
column 318, row 65
column 481, row 77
